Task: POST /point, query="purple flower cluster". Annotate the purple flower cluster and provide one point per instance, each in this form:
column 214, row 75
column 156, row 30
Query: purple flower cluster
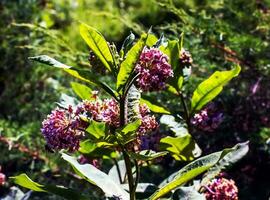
column 185, row 57
column 63, row 129
column 221, row 189
column 208, row 119
column 104, row 111
column 150, row 141
column 153, row 69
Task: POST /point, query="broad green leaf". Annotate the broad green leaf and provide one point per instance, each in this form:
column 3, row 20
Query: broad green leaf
column 189, row 172
column 147, row 155
column 49, row 61
column 24, row 181
column 131, row 127
column 87, row 146
column 81, row 90
column 181, row 147
column 154, row 107
column 151, row 40
column 211, row 87
column 97, row 177
column 127, row 66
column 234, row 154
column 127, row 44
column 97, row 44
column 187, row 193
column 97, row 129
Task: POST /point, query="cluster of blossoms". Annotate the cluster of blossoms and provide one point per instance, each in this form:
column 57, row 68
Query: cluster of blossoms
column 2, row 178
column 64, row 128
column 153, row 69
column 207, row 119
column 150, row 141
column 185, row 57
column 221, row 189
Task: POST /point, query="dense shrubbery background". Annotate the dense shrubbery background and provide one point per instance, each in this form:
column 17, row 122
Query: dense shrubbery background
column 217, row 33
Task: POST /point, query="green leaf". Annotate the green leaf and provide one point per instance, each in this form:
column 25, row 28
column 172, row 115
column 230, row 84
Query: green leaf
column 24, row 181
column 127, row 44
column 234, row 155
column 189, row 172
column 97, row 44
column 97, row 129
column 97, row 177
column 87, row 146
column 113, row 173
column 143, row 190
column 151, row 40
column 127, row 66
column 211, row 87
column 49, row 61
column 147, row 155
column 154, row 107
column 181, row 147
column 81, row 90
column 131, row 127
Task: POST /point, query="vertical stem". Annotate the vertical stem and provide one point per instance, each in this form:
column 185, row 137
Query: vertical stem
column 125, row 154
column 187, row 117
column 118, row 170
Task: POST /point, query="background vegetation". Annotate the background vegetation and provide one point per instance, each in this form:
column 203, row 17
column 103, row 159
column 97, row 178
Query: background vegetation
column 216, row 32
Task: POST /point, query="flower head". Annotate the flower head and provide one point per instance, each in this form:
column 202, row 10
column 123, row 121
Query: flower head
column 185, row 57
column 208, row 119
column 2, row 178
column 221, row 189
column 153, row 69
column 62, row 129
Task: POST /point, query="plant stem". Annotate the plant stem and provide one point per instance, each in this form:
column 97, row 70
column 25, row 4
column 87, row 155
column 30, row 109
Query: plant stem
column 118, row 170
column 124, row 151
column 187, row 117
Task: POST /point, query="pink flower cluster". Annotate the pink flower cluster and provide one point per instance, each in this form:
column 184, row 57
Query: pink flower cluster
column 153, row 69
column 208, row 119
column 63, row 129
column 185, row 57
column 106, row 111
column 221, row 189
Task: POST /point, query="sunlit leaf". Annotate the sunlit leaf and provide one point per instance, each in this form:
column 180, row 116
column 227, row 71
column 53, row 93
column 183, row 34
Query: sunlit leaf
column 97, row 129
column 97, row 44
column 211, row 87
column 154, row 107
column 81, row 90
column 189, row 172
column 127, row 66
column 24, row 181
column 181, row 147
column 97, row 177
column 49, row 61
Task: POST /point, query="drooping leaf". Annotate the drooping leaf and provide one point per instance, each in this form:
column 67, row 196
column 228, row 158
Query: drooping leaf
column 49, row 61
column 147, row 155
column 181, row 147
column 154, row 107
column 97, row 44
column 81, row 90
column 187, row 193
column 189, row 172
column 97, row 177
column 127, row 66
column 235, row 154
column 211, row 87
column 24, row 181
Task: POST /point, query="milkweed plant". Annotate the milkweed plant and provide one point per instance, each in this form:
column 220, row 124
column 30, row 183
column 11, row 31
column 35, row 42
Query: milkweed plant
column 124, row 125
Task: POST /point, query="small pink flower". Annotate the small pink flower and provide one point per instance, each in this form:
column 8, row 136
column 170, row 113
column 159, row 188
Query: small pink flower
column 185, row 57
column 153, row 69
column 221, row 189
